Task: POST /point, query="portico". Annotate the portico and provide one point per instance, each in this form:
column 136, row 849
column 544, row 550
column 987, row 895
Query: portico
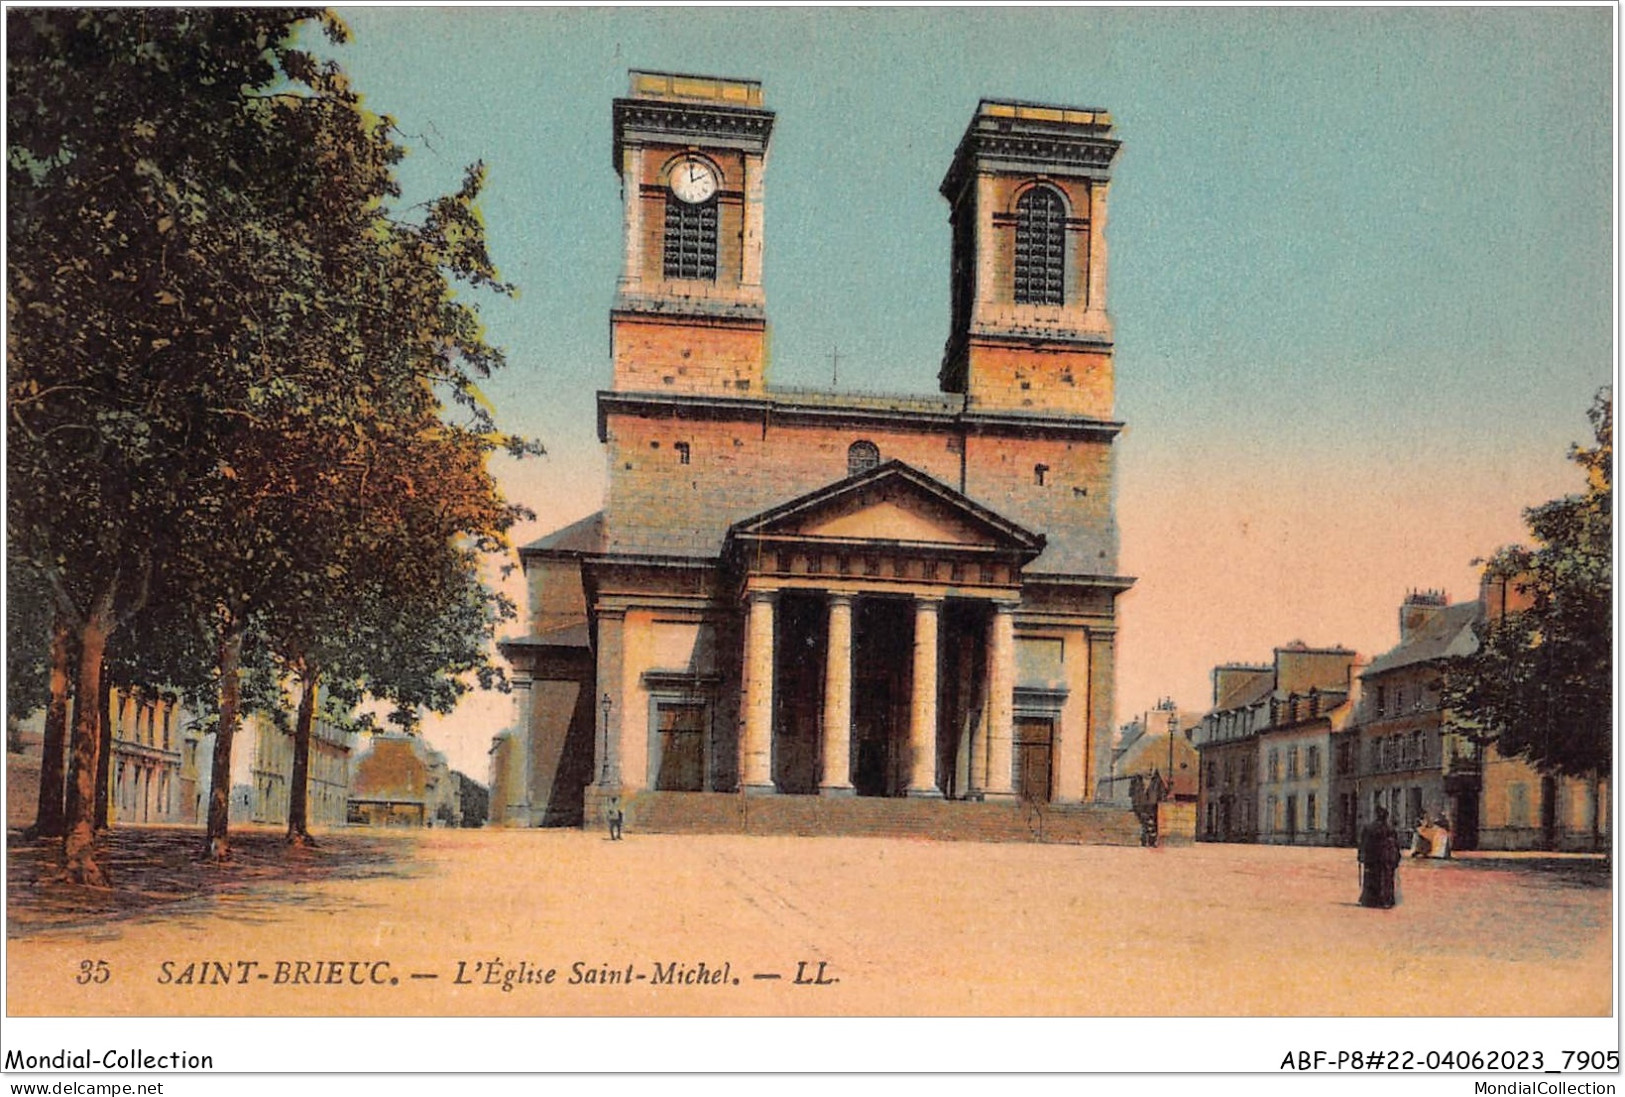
column 879, row 655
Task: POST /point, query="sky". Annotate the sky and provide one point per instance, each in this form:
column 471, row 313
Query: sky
column 1360, row 267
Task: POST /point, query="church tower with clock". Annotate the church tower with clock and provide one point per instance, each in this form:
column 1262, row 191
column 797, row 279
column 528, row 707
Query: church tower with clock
column 794, row 600
column 689, row 313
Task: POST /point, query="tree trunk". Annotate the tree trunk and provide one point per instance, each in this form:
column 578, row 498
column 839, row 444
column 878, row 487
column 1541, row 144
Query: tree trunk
column 1548, row 812
column 104, row 697
column 1594, row 785
column 79, row 848
column 298, row 790
column 215, row 844
column 50, row 820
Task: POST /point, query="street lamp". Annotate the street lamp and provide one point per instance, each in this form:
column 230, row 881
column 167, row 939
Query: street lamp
column 606, row 704
column 1173, row 729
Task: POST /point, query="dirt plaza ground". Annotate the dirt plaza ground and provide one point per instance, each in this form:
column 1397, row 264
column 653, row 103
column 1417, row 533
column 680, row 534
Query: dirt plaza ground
column 566, row 923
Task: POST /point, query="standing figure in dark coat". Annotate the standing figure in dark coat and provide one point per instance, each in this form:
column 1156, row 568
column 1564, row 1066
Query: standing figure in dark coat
column 1379, row 859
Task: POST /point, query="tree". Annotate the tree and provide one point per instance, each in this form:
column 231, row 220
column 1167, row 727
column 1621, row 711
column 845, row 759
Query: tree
column 402, row 615
column 216, row 327
column 1540, row 685
column 141, row 163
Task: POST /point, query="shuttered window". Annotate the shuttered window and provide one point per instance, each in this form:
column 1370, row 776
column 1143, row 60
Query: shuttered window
column 691, row 240
column 1040, row 247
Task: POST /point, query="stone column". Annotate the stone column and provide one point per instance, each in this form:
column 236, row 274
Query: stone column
column 1097, row 246
column 750, row 275
column 1001, row 682
column 611, row 647
column 632, row 196
column 756, row 740
column 837, row 768
column 986, row 247
column 1102, row 643
column 922, row 732
column 516, row 811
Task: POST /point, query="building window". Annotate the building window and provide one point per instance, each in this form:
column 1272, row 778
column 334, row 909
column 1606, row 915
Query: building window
column 1382, row 699
column 1311, row 761
column 1292, row 764
column 1311, row 813
column 1517, row 804
column 691, row 240
column 1040, row 247
column 861, row 457
column 1275, row 766
column 682, row 452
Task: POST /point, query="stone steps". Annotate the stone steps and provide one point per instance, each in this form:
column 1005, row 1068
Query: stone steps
column 730, row 813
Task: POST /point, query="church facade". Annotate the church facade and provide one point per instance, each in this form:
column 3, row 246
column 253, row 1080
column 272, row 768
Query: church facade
column 817, row 594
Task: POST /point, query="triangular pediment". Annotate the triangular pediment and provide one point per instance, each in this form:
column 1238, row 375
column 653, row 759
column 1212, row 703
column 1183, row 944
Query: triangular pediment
column 893, row 504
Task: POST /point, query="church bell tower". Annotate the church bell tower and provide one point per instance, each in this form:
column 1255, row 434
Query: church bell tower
column 1027, row 204
column 689, row 314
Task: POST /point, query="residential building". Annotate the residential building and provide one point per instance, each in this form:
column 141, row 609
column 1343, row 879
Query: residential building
column 144, row 772
column 262, row 771
column 401, row 781
column 1157, row 741
column 1265, row 747
column 1299, row 804
column 1416, row 763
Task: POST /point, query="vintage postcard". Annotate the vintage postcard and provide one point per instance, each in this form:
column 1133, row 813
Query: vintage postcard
column 1057, row 539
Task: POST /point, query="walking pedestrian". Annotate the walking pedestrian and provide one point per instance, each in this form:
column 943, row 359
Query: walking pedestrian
column 1379, row 860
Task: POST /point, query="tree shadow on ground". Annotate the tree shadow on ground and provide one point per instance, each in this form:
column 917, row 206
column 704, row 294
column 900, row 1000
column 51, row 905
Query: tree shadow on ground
column 1570, row 871
column 156, row 876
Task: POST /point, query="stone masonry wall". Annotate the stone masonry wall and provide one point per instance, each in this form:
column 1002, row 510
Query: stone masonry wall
column 738, row 468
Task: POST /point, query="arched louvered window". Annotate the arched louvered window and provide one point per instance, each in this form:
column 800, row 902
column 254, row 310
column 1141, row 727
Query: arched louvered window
column 1040, row 247
column 861, row 457
column 691, row 240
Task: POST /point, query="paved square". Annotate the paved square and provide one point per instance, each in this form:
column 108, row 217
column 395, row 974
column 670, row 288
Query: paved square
column 473, row 922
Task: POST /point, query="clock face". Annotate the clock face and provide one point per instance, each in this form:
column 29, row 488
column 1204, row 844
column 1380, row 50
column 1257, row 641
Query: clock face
column 693, row 181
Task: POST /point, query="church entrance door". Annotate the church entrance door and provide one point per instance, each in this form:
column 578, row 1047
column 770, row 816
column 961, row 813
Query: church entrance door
column 681, row 729
column 882, row 665
column 872, row 738
column 1034, row 739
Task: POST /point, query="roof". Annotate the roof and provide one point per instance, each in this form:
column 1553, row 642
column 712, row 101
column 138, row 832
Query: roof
column 583, row 538
column 1150, row 752
column 1449, row 633
column 396, row 767
column 1259, row 689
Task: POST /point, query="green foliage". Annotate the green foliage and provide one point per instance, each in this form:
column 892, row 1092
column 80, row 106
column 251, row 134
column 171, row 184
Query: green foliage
column 1541, row 683
column 28, row 634
column 230, row 363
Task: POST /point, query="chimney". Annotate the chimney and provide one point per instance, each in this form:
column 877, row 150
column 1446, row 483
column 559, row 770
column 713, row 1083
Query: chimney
column 1419, row 608
column 1501, row 594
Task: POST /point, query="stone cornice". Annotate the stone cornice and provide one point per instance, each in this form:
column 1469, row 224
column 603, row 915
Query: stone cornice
column 767, row 408
column 630, row 306
column 1025, row 149
column 1055, row 578
column 1005, row 332
column 639, row 120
